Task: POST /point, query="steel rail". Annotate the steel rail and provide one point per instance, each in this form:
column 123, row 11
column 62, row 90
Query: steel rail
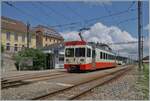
column 100, row 84
column 30, row 80
column 68, row 88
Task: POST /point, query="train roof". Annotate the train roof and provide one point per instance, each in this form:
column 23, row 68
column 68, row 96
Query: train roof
column 95, row 45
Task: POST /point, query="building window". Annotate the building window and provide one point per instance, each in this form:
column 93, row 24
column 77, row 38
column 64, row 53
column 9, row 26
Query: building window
column 8, row 46
column 8, row 35
column 46, row 38
column 23, row 46
column 15, row 48
column 16, row 36
column 45, row 45
column 23, row 38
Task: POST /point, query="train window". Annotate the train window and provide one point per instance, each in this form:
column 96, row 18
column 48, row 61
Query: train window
column 93, row 54
column 88, row 52
column 101, row 55
column 110, row 57
column 80, row 52
column 69, row 52
column 106, row 56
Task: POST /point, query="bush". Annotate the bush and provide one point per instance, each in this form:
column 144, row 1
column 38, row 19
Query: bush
column 37, row 56
column 2, row 48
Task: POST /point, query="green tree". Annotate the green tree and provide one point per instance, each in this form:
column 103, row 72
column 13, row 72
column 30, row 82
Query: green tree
column 38, row 57
column 2, row 48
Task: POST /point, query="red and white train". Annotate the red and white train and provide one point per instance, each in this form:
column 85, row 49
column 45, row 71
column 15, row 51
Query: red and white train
column 81, row 55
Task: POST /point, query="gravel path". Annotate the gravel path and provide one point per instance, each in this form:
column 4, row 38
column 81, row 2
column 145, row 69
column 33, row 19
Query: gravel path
column 123, row 88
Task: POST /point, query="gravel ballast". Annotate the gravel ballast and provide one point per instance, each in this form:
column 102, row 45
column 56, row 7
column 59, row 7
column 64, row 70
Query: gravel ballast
column 123, row 88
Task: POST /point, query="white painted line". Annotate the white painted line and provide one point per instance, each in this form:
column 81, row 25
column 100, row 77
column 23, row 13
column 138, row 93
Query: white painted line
column 64, row 84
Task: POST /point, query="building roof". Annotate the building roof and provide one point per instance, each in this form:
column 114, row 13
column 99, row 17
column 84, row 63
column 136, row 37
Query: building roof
column 47, row 31
column 12, row 24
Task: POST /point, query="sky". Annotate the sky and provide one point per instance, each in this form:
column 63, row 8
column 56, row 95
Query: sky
column 106, row 28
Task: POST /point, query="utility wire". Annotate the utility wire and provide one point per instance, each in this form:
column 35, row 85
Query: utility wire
column 54, row 11
column 127, row 20
column 109, row 12
column 98, row 18
column 42, row 10
column 120, row 43
column 131, row 5
column 48, row 12
column 25, row 13
column 75, row 23
column 128, row 9
column 113, row 14
column 105, row 16
column 74, row 12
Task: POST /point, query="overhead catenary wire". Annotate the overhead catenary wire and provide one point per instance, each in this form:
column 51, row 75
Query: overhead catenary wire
column 97, row 18
column 24, row 12
column 48, row 15
column 127, row 20
column 78, row 22
column 132, row 3
column 48, row 12
column 109, row 12
column 75, row 12
column 54, row 11
column 121, row 43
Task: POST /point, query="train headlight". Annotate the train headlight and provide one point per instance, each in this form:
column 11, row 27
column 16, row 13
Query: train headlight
column 67, row 60
column 82, row 60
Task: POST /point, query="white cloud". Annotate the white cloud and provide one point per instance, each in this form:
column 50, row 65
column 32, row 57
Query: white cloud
column 106, row 34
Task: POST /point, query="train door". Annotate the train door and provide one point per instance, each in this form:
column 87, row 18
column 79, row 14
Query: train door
column 93, row 59
column 50, row 61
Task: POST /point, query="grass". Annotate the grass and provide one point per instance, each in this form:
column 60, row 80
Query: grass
column 144, row 81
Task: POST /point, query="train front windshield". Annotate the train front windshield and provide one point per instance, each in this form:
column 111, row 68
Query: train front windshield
column 69, row 52
column 77, row 52
column 80, row 52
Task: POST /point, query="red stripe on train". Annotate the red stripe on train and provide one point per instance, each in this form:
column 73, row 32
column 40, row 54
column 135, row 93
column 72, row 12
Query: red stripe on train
column 90, row 67
column 73, row 43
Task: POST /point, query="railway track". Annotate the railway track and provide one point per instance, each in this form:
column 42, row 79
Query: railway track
column 23, row 80
column 75, row 91
column 27, row 75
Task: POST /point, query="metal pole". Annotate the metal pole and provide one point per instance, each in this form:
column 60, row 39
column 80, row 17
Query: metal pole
column 139, row 33
column 28, row 37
